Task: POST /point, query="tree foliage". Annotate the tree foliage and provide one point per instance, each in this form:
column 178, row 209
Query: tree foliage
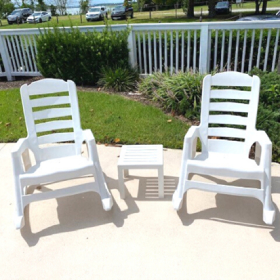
column 6, row 7
column 41, row 6
column 84, row 5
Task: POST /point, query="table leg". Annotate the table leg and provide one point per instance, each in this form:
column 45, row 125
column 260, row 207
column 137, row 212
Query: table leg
column 160, row 182
column 125, row 173
column 121, row 183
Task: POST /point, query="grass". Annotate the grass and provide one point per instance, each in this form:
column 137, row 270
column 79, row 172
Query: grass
column 166, row 16
column 111, row 118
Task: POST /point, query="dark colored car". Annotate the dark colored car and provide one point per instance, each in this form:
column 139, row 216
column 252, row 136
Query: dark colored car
column 19, row 15
column 223, row 7
column 121, row 12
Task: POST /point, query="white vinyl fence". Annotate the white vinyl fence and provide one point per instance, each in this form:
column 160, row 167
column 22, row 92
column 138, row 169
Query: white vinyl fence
column 173, row 47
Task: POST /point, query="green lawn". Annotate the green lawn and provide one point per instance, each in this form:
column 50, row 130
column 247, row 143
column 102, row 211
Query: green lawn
column 166, row 16
column 110, row 117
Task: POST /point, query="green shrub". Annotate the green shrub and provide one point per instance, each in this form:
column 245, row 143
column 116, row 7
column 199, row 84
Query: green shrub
column 179, row 93
column 80, row 56
column 269, row 108
column 119, row 78
column 270, row 88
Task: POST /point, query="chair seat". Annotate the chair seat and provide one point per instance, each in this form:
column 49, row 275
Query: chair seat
column 53, row 170
column 220, row 164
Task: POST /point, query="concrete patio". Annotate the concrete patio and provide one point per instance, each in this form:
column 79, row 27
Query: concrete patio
column 213, row 236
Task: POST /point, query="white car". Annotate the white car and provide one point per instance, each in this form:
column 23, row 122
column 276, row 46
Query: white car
column 38, row 17
column 96, row 13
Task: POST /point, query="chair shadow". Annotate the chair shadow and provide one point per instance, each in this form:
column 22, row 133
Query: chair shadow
column 148, row 188
column 243, row 211
column 79, row 212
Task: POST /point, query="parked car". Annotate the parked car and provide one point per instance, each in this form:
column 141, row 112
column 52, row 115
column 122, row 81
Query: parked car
column 96, row 13
column 39, row 17
column 261, row 17
column 151, row 6
column 19, row 15
column 121, row 12
column 223, row 7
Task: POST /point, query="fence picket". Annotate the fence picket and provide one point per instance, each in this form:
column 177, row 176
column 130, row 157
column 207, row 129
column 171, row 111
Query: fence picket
column 156, row 47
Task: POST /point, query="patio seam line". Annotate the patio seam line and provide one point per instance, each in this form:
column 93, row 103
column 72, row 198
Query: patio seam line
column 3, row 146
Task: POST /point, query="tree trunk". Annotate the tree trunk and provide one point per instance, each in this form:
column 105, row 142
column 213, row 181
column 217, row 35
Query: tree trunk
column 211, row 9
column 190, row 13
column 257, row 7
column 264, row 6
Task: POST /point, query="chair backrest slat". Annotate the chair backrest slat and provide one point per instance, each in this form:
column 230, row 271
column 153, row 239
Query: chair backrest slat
column 52, row 121
column 55, row 138
column 232, row 80
column 227, row 119
column 229, row 107
column 52, row 113
column 228, row 111
column 50, row 101
column 54, row 125
column 230, row 94
column 57, row 151
column 40, row 87
column 222, row 146
column 227, row 132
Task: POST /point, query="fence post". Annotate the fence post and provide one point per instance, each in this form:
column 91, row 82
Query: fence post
column 132, row 49
column 204, row 49
column 5, row 58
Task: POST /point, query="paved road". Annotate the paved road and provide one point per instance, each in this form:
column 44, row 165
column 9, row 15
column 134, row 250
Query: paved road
column 205, row 12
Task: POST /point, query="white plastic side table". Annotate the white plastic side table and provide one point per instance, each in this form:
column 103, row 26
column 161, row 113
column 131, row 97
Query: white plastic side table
column 140, row 157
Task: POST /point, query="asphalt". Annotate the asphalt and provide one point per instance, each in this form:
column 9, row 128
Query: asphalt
column 213, row 236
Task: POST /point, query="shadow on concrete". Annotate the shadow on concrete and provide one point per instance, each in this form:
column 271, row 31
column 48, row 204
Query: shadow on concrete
column 243, row 211
column 148, row 188
column 79, row 212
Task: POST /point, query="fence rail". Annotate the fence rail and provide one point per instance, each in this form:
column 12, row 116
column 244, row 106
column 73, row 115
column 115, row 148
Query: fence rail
column 174, row 47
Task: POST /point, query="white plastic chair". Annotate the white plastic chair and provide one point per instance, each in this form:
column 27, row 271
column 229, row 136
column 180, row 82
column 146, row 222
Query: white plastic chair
column 223, row 122
column 55, row 162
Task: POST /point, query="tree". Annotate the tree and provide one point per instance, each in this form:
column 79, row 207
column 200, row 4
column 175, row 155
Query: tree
column 6, row 7
column 41, row 6
column 258, row 3
column 188, row 8
column 61, row 6
column 84, row 4
column 211, row 8
column 53, row 10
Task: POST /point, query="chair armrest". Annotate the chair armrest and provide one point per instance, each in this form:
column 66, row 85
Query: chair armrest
column 17, row 153
column 192, row 133
column 266, row 146
column 91, row 145
column 21, row 145
column 189, row 143
column 88, row 136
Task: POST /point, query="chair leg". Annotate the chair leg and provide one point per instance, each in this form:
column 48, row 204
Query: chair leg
column 19, row 215
column 181, row 188
column 104, row 193
column 268, row 207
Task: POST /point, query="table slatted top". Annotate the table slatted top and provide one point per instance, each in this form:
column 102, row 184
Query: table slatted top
column 141, row 155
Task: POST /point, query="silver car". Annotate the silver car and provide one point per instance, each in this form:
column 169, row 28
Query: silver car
column 39, row 17
column 96, row 13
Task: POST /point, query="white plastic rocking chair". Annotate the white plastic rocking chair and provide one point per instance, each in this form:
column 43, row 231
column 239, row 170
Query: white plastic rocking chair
column 223, row 122
column 58, row 162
